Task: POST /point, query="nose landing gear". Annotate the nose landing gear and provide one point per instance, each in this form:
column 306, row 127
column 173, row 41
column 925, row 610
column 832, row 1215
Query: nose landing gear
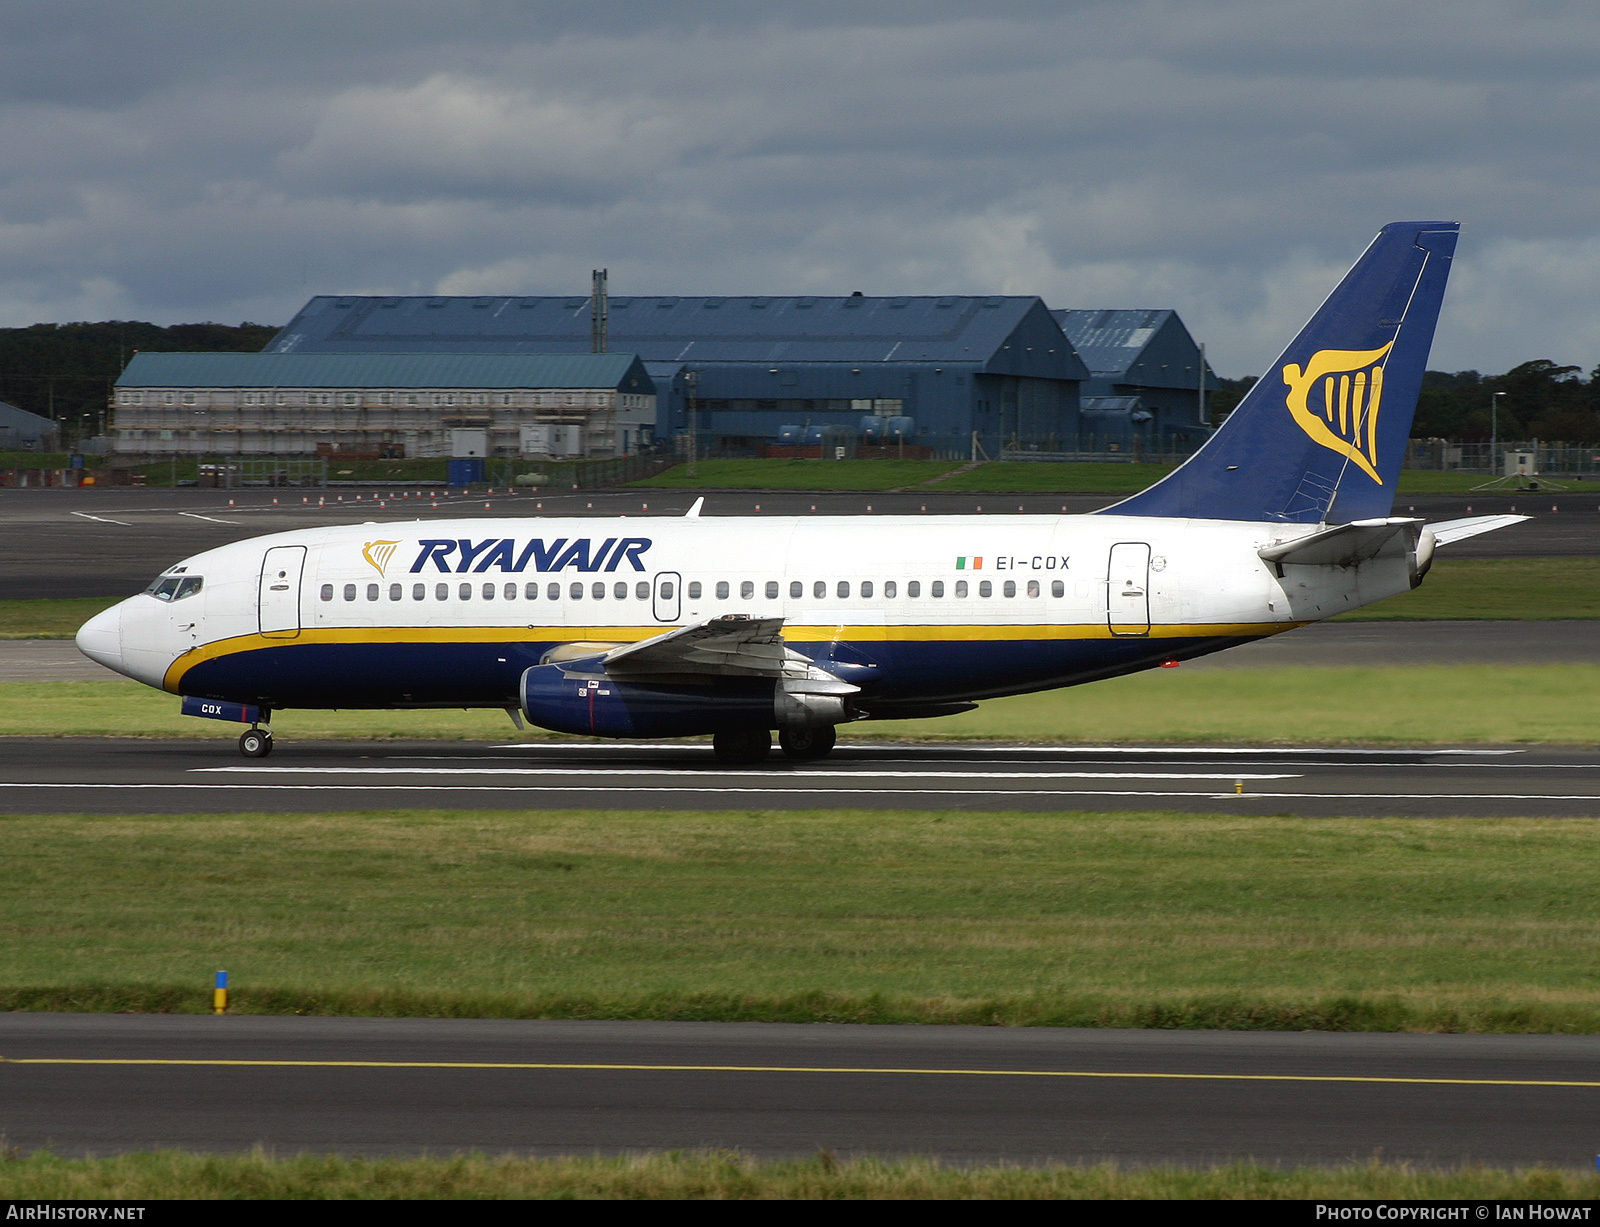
column 255, row 743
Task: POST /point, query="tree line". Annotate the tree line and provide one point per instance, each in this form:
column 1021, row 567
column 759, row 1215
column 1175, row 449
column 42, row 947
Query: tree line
column 65, row 372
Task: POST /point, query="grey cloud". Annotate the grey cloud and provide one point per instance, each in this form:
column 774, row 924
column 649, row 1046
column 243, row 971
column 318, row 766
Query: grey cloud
column 183, row 161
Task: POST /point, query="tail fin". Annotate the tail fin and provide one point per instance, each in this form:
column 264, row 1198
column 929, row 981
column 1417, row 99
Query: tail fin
column 1320, row 438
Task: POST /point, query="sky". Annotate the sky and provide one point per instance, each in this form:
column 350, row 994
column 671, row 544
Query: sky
column 178, row 160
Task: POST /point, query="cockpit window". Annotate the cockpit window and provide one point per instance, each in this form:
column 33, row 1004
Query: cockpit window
column 174, row 587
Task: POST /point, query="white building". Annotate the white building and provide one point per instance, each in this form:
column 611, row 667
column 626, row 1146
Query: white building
column 382, row 405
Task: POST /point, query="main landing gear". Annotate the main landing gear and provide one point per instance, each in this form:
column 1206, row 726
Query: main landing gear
column 747, row 746
column 255, row 743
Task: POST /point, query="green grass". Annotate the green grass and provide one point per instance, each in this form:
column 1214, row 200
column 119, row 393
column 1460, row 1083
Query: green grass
column 800, row 474
column 1028, row 477
column 49, row 619
column 1435, row 704
column 1061, row 919
column 1495, row 589
column 729, row 1176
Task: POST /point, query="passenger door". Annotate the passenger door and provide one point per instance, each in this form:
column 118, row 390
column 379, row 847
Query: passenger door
column 666, row 598
column 1128, row 589
column 281, row 571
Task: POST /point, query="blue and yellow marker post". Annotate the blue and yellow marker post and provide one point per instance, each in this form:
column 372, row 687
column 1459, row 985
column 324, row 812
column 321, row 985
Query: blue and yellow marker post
column 219, row 995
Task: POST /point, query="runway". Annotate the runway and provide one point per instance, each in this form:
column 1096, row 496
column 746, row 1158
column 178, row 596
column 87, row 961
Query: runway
column 83, row 1083
column 112, row 776
column 110, row 542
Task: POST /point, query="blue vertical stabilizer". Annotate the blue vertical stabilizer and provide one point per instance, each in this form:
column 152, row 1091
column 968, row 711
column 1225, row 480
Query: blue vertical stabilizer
column 1321, row 435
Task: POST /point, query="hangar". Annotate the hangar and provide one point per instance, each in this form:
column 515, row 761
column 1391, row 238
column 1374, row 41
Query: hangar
column 998, row 367
column 383, row 405
column 1144, row 385
column 21, row 431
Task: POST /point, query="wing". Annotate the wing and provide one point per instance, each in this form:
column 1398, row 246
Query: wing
column 730, row 646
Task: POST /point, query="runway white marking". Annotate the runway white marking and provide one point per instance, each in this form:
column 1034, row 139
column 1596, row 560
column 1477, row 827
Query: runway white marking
column 1021, row 747
column 195, row 515
column 767, row 775
column 101, row 519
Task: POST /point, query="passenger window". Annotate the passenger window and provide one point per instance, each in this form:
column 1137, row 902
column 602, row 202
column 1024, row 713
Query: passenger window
column 441, row 592
column 796, row 590
column 372, row 592
column 961, row 588
column 747, row 590
column 722, row 590
column 510, row 592
column 866, row 589
column 694, row 590
column 889, row 589
column 819, row 589
column 914, row 588
column 620, row 590
column 396, row 591
column 641, row 590
column 985, row 588
column 349, row 592
column 419, row 592
column 772, row 590
column 844, row 588
column 576, row 592
column 327, row 592
column 1010, row 588
column 466, row 592
column 488, row 592
column 1033, row 588
column 666, row 590
column 598, row 590
column 553, row 592
column 531, row 591
column 936, row 588
column 1057, row 588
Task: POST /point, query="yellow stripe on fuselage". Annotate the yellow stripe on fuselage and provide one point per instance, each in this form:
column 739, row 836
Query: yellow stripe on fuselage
column 792, row 632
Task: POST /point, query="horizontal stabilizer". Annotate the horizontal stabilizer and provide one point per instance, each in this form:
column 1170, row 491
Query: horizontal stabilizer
column 1345, row 545
column 1459, row 530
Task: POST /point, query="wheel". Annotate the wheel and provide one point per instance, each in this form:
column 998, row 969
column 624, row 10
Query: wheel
column 742, row 745
column 255, row 743
column 807, row 743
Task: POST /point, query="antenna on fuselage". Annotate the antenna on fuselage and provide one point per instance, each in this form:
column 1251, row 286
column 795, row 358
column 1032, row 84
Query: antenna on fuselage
column 694, row 512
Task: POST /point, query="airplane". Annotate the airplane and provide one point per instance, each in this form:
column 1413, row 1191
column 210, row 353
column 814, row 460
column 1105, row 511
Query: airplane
column 682, row 626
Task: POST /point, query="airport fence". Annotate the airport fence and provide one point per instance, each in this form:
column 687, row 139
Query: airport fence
column 1500, row 458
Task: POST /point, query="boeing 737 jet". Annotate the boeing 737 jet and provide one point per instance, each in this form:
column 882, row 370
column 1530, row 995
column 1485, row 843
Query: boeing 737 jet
column 734, row 627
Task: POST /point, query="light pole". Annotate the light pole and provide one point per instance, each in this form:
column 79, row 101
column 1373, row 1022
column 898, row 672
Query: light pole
column 691, row 384
column 1494, row 429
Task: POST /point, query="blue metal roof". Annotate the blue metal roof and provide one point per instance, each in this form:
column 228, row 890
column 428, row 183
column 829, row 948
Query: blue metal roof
column 1142, row 346
column 1004, row 334
column 622, row 371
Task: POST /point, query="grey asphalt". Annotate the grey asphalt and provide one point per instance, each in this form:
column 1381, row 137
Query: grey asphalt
column 107, row 542
column 1227, row 1095
column 132, row 776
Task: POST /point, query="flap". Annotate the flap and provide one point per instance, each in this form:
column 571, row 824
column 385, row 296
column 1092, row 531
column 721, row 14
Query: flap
column 1459, row 530
column 1345, row 545
column 731, row 645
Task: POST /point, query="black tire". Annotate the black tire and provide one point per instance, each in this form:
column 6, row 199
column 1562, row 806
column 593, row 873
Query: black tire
column 805, row 745
column 255, row 743
column 742, row 745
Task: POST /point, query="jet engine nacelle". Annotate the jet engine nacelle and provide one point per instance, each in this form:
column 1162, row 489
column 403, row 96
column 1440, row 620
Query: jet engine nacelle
column 568, row 699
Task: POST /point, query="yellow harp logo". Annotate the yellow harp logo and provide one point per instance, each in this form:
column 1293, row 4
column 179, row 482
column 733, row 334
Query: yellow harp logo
column 378, row 553
column 1335, row 400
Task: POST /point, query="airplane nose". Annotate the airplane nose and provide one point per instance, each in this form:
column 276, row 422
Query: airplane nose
column 100, row 638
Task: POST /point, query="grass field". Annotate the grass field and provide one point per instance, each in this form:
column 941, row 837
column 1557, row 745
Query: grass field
column 726, row 1176
column 1440, row 704
column 1059, row 919
column 1000, row 476
column 1492, row 589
